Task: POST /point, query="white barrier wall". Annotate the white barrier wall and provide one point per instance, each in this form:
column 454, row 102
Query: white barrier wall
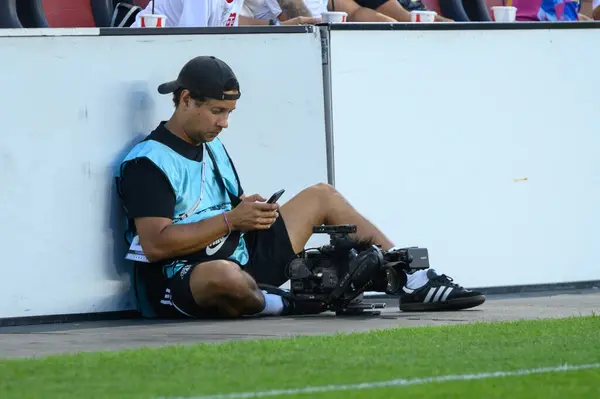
column 481, row 145
column 478, row 144
column 73, row 105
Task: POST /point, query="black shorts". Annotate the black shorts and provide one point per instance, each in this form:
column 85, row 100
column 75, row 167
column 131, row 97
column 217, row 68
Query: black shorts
column 270, row 251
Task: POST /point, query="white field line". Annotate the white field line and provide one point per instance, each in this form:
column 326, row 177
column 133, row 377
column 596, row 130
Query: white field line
column 393, row 383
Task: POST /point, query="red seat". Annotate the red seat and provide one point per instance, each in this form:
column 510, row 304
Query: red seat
column 432, row 5
column 141, row 3
column 78, row 13
column 69, row 13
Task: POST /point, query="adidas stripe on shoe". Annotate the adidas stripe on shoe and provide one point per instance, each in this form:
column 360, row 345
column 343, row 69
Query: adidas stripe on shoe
column 439, row 294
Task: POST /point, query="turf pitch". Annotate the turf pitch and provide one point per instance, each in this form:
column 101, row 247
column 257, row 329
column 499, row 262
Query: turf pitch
column 300, row 364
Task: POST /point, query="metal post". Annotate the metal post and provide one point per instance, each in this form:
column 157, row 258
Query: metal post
column 326, row 60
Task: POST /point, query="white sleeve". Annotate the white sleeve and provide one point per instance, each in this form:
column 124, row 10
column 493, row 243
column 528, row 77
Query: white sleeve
column 263, row 9
column 246, row 12
column 273, row 8
column 595, row 4
column 194, row 13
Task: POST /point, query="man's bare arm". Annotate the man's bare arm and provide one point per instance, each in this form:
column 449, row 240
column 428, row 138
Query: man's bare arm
column 292, row 9
column 247, row 21
column 364, row 14
column 161, row 239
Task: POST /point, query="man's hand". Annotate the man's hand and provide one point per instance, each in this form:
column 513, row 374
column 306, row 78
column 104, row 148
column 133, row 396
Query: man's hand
column 252, row 198
column 253, row 215
column 301, row 21
column 290, row 9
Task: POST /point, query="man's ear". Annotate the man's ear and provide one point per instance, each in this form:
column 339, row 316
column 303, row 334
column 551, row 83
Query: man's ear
column 185, row 98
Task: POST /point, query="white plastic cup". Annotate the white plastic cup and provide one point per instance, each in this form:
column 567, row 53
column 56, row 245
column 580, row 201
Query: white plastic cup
column 422, row 16
column 504, row 14
column 153, row 21
column 333, row 16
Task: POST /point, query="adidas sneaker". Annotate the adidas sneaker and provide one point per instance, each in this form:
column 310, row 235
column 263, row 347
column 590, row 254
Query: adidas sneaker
column 439, row 294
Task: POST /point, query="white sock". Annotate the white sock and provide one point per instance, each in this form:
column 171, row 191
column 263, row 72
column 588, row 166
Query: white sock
column 273, row 305
column 417, row 279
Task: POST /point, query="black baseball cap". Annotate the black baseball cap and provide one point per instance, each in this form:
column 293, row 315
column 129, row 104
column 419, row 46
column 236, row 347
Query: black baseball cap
column 205, row 77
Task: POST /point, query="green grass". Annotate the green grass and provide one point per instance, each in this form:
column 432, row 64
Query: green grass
column 340, row 359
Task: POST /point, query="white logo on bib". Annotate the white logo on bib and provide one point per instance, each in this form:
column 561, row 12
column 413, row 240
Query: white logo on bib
column 215, row 246
column 136, row 252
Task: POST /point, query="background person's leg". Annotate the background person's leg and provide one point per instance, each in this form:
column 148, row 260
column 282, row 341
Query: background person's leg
column 391, row 8
column 322, row 204
column 394, row 9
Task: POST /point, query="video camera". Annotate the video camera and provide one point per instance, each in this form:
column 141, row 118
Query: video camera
column 338, row 273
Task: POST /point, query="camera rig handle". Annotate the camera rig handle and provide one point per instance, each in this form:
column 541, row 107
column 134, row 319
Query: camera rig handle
column 336, row 233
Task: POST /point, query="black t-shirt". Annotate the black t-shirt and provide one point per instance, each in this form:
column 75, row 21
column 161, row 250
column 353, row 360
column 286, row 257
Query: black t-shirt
column 146, row 190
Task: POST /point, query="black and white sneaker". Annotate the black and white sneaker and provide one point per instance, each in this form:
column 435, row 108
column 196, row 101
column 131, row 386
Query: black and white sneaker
column 439, row 294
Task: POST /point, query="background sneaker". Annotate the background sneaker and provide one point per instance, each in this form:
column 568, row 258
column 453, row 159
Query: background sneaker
column 439, row 294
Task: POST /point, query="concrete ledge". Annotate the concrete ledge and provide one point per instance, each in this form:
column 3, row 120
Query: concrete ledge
column 35, row 341
column 509, row 291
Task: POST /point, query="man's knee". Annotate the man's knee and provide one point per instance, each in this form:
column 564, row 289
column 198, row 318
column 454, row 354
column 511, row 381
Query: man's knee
column 324, row 191
column 223, row 287
column 329, row 197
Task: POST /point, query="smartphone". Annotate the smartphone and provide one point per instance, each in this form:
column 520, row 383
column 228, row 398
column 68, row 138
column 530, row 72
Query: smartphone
column 275, row 197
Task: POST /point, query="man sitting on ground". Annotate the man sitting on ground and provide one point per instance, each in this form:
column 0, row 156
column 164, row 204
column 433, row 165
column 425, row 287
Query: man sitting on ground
column 203, row 244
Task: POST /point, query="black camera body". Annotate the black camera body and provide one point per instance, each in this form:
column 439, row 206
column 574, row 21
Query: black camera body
column 338, row 273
